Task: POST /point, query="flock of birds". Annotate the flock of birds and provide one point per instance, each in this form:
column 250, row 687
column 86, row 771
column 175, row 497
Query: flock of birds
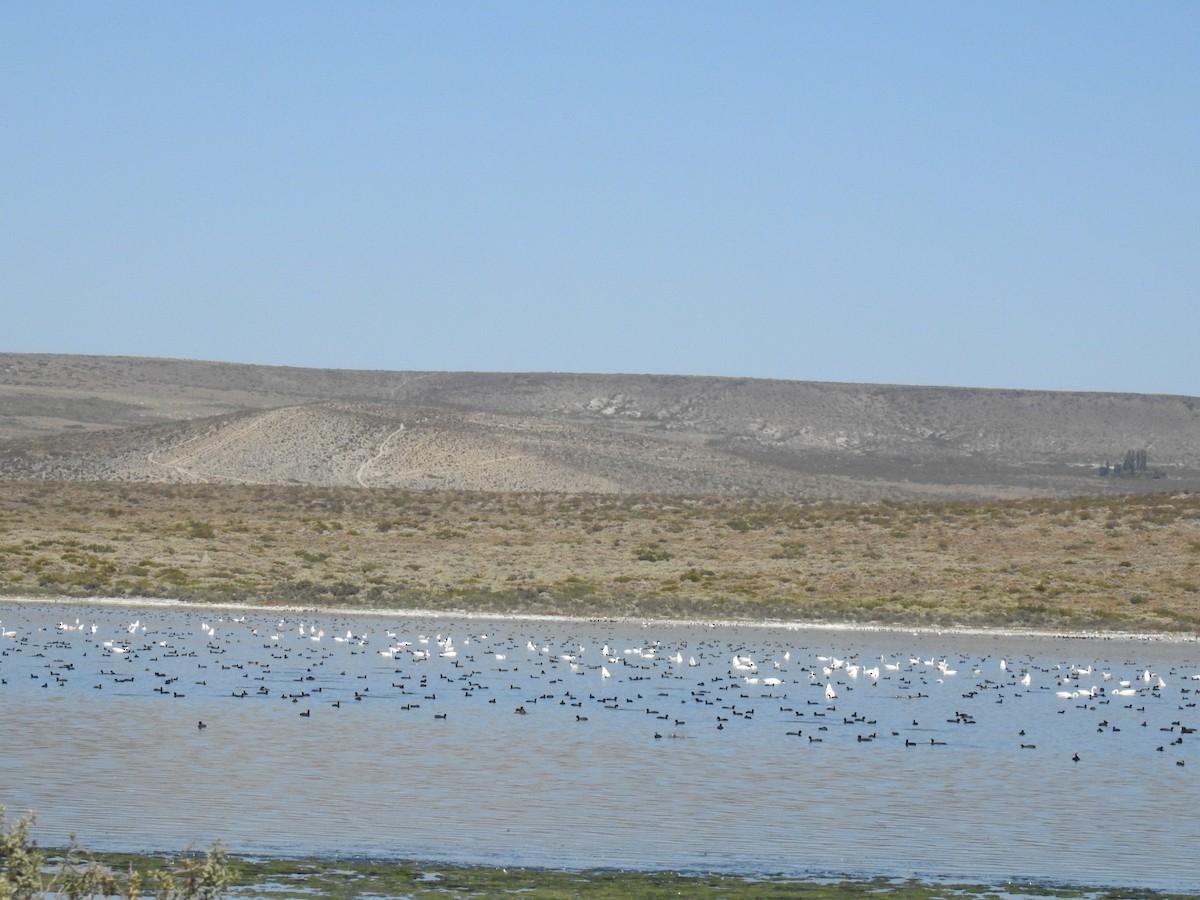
column 321, row 666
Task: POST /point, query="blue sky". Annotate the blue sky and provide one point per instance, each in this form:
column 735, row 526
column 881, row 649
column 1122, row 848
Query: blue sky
column 975, row 194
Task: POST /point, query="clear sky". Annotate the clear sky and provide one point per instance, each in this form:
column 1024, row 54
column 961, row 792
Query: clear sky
column 975, row 194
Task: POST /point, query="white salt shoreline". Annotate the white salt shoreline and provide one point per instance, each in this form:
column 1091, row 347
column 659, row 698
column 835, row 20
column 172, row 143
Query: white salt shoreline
column 1162, row 636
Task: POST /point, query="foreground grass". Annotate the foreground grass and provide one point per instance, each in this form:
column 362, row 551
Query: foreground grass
column 1103, row 563
column 349, row 879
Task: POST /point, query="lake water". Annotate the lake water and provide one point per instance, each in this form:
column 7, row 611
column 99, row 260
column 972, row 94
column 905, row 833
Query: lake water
column 656, row 746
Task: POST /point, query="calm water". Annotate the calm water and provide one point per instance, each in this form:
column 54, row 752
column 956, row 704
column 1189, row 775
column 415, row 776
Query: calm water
column 401, row 737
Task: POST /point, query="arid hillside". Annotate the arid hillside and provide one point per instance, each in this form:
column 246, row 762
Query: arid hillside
column 175, row 421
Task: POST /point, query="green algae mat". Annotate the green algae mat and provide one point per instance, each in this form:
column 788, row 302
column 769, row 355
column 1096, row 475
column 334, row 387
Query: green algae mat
column 274, row 879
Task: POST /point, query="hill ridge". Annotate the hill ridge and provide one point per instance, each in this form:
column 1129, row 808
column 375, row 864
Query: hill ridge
column 123, row 418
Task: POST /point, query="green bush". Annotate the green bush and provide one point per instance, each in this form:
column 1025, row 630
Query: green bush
column 651, row 554
column 29, row 873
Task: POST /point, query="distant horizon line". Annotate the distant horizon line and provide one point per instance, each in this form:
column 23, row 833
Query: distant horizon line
column 601, row 374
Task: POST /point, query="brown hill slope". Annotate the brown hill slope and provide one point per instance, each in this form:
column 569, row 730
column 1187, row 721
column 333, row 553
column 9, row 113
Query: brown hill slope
column 120, row 418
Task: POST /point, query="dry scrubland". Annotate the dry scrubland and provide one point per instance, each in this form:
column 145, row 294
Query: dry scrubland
column 1118, row 563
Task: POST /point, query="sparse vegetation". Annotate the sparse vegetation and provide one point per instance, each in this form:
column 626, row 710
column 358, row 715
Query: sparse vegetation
column 1127, row 562
column 200, row 530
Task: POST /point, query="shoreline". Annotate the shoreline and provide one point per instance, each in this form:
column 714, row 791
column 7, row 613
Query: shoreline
column 853, row 627
column 256, row 876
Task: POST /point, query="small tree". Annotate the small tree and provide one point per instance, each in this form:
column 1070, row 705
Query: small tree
column 1135, row 462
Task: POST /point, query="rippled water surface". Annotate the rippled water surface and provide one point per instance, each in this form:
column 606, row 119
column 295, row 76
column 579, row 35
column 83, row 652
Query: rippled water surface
column 638, row 746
